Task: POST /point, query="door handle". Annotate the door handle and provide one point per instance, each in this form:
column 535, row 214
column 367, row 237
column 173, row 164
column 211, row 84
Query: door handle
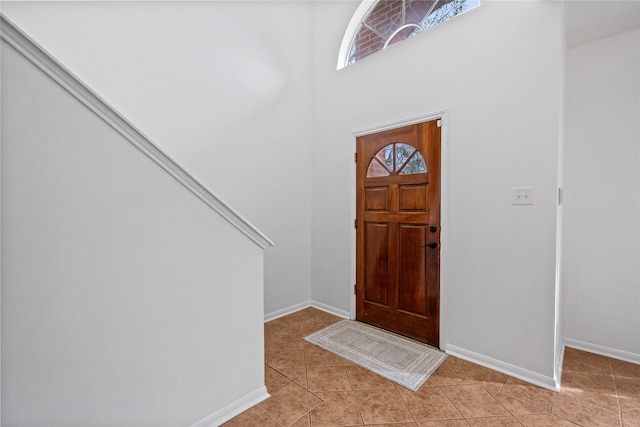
column 432, row 245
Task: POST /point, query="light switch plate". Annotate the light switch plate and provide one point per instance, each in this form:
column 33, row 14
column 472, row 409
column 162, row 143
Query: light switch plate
column 522, row 196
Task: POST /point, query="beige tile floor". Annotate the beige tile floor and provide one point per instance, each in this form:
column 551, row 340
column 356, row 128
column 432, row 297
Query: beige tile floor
column 310, row 387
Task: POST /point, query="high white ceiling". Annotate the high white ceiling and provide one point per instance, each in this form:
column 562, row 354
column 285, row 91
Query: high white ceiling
column 591, row 20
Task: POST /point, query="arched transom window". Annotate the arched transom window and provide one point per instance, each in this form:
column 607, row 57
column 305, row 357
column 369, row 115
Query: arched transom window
column 396, row 159
column 379, row 24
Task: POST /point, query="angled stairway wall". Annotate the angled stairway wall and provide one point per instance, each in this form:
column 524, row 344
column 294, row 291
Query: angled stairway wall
column 125, row 283
column 233, row 106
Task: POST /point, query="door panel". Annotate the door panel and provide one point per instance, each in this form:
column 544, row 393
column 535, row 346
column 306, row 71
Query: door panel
column 377, row 271
column 377, row 199
column 413, row 198
column 398, row 230
column 412, row 269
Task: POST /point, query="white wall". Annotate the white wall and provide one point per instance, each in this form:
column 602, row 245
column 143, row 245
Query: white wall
column 222, row 86
column 123, row 294
column 601, row 280
column 273, row 183
column 498, row 71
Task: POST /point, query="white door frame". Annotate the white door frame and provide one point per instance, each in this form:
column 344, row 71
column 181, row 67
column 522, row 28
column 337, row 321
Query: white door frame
column 444, row 208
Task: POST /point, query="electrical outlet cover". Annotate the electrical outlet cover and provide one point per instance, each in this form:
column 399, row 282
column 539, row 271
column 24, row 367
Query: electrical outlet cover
column 522, row 196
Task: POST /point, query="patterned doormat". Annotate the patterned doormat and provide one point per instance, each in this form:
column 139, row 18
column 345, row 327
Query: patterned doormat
column 398, row 359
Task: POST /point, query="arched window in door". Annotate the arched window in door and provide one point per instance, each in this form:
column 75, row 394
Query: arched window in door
column 394, row 159
column 379, row 24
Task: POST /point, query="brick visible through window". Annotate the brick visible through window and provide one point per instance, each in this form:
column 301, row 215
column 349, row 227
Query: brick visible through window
column 391, row 21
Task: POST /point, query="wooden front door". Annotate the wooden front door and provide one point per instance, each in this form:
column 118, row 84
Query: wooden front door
column 398, row 231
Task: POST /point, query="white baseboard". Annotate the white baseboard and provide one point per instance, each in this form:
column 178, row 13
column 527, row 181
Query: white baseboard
column 285, row 311
column 505, row 368
column 331, row 310
column 297, row 307
column 225, row 414
column 602, row 350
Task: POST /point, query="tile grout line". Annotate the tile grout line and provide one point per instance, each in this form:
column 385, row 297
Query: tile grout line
column 306, row 375
column 452, row 404
column 505, row 408
column 503, row 385
column 270, row 417
column 501, row 404
column 615, row 387
column 404, row 404
column 354, row 394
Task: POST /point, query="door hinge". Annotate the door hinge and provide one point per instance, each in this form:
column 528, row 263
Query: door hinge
column 559, row 196
column 354, row 289
column 439, row 123
column 355, row 157
column 355, row 223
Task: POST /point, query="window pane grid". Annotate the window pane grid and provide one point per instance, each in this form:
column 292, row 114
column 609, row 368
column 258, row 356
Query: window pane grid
column 394, row 159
